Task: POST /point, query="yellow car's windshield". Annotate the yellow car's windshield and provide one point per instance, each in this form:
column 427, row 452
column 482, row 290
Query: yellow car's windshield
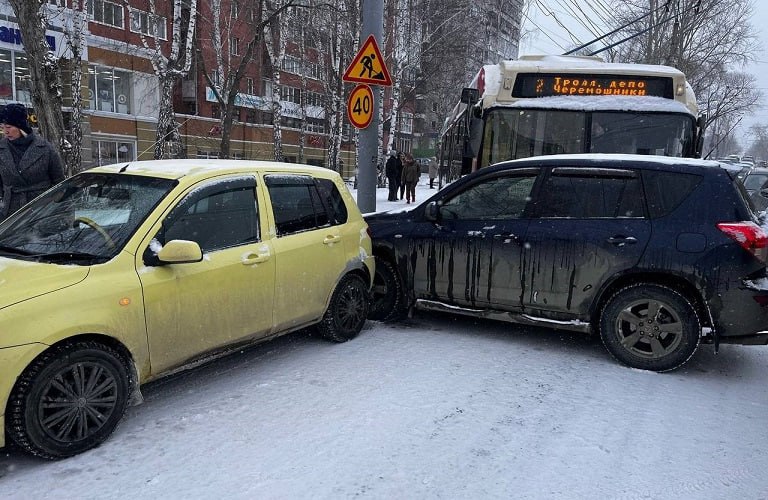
column 86, row 219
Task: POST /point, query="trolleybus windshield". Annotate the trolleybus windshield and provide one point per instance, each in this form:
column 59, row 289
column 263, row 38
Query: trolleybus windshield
column 519, row 133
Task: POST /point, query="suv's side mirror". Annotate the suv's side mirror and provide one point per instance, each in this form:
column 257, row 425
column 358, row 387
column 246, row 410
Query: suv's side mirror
column 432, row 211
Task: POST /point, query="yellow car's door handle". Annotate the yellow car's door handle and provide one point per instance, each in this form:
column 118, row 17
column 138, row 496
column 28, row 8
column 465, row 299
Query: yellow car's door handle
column 331, row 238
column 255, row 258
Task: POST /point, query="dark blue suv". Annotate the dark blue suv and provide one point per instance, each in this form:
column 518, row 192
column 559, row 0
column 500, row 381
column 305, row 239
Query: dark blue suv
column 656, row 254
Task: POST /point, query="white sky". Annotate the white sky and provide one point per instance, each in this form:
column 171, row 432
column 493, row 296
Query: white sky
column 555, row 40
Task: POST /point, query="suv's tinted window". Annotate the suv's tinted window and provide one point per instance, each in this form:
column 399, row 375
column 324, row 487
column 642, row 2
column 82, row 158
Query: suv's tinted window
column 216, row 216
column 495, row 198
column 296, row 203
column 666, row 190
column 586, row 195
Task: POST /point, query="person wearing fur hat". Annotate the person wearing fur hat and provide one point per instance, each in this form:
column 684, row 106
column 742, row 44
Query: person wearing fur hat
column 29, row 164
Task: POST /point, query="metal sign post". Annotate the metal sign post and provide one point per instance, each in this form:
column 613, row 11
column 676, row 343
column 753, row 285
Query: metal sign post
column 368, row 68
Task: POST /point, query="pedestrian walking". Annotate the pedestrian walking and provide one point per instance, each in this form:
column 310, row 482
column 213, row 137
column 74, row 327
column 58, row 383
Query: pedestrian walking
column 432, row 172
column 393, row 170
column 411, row 174
column 401, row 159
column 29, row 164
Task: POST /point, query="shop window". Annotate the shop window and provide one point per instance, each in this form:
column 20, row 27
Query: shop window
column 23, row 80
column 108, row 151
column 6, row 75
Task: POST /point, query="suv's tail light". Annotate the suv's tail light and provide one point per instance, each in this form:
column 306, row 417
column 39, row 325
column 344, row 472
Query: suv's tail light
column 749, row 235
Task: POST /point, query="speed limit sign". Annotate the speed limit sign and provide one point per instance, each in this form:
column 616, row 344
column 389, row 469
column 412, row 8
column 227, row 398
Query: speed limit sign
column 360, row 106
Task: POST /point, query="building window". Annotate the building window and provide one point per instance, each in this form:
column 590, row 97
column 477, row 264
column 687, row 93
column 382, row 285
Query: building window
column 21, row 77
column 109, row 89
column 291, row 94
column 316, row 125
column 249, row 86
column 108, row 151
column 141, row 22
column 105, row 12
column 208, row 155
column 6, row 75
column 235, row 9
column 314, row 99
column 292, row 64
column 234, row 46
column 405, row 122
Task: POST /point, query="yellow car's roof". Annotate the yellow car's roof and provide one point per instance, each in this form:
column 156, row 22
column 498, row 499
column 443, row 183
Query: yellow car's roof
column 202, row 168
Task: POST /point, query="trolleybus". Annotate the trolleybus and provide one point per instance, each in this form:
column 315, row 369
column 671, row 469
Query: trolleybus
column 539, row 105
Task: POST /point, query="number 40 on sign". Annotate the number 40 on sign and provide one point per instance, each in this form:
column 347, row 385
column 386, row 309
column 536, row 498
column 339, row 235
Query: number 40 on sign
column 360, row 106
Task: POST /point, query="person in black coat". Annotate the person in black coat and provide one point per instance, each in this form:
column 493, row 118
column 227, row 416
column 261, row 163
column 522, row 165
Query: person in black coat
column 393, row 169
column 29, row 164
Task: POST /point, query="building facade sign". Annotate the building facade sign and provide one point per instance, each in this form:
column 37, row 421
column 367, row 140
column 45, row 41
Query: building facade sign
column 12, row 35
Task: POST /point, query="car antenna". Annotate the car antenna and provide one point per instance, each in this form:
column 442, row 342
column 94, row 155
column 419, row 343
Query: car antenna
column 124, row 168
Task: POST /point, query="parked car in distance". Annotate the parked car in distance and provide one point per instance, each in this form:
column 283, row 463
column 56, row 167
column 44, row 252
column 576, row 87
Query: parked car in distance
column 657, row 255
column 756, row 184
column 755, row 180
column 125, row 273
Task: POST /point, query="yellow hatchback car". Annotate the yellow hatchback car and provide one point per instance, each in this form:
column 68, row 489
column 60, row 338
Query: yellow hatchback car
column 124, row 273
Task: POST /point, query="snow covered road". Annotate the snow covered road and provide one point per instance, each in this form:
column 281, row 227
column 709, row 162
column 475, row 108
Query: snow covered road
column 431, row 407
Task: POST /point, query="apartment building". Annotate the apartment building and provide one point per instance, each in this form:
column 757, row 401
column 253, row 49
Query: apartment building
column 121, row 89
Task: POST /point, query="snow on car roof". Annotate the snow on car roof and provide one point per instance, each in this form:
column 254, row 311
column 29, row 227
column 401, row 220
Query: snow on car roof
column 613, row 157
column 174, row 169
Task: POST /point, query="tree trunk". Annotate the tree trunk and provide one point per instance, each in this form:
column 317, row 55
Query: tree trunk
column 168, row 141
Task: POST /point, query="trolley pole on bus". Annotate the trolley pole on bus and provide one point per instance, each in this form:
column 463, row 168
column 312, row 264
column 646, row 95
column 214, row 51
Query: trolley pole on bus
column 367, row 68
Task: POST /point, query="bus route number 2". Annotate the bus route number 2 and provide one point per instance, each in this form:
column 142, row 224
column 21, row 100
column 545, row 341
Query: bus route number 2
column 360, row 106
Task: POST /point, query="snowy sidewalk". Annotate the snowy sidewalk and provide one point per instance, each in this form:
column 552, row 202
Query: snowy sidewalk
column 422, row 193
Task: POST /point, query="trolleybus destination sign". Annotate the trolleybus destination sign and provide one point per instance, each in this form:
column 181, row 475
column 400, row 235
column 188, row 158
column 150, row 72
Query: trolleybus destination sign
column 546, row 85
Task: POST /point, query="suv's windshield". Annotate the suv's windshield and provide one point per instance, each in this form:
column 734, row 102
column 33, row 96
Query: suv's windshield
column 85, row 219
column 512, row 133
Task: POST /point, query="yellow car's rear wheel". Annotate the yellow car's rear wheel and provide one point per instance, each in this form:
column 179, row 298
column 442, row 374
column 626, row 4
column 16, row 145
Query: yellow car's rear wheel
column 347, row 311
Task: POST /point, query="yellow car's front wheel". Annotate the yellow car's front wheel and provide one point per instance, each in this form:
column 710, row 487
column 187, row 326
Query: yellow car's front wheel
column 68, row 400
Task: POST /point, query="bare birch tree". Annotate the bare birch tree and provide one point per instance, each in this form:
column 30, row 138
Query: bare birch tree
column 74, row 27
column 335, row 31
column 169, row 69
column 709, row 40
column 277, row 17
column 219, row 27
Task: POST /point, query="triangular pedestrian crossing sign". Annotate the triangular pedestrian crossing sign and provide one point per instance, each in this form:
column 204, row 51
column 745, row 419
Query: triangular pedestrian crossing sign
column 368, row 66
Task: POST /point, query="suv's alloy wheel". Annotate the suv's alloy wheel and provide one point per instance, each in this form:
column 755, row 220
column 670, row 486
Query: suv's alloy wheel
column 650, row 326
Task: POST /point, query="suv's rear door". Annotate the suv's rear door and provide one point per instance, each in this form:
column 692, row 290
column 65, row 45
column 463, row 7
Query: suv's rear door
column 589, row 225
